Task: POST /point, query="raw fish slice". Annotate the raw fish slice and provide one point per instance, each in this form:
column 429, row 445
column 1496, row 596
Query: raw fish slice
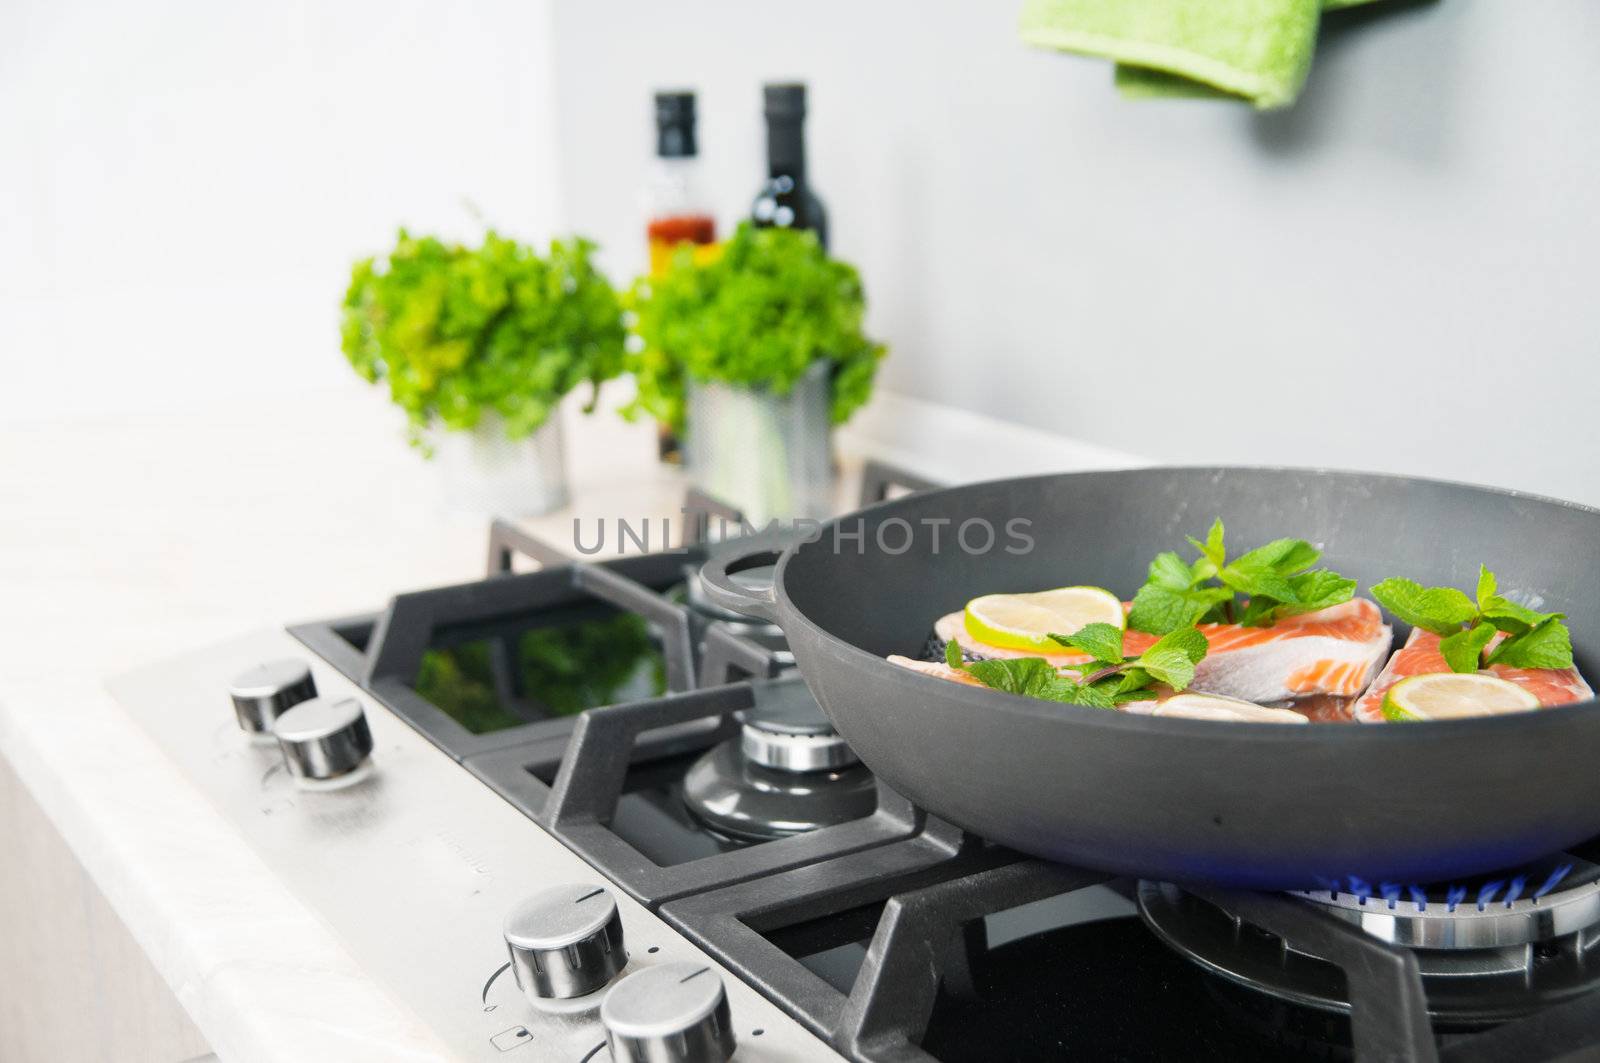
column 1334, row 651
column 1420, row 656
column 1167, row 703
column 936, row 669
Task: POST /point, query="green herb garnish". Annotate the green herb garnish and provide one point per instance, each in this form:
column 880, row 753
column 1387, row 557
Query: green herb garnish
column 1533, row 639
column 1110, row 679
column 459, row 331
column 758, row 314
column 1277, row 579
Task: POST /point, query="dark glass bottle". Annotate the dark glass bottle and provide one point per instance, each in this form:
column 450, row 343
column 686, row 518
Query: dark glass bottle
column 786, row 199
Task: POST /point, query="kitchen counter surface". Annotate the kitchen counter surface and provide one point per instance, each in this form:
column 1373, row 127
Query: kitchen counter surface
column 126, row 541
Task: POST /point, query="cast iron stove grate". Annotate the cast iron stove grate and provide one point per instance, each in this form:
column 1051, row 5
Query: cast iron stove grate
column 941, row 949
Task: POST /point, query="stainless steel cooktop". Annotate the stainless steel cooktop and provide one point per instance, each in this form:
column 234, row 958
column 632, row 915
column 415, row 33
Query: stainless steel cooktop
column 416, row 865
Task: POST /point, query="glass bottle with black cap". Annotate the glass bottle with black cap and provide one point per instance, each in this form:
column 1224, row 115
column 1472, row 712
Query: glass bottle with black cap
column 786, row 199
column 676, row 209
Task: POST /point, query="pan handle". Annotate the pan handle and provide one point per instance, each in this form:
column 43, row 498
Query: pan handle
column 716, row 576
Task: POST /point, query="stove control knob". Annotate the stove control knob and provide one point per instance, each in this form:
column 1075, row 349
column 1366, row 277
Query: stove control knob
column 267, row 691
column 670, row 1013
column 565, row 942
column 323, row 738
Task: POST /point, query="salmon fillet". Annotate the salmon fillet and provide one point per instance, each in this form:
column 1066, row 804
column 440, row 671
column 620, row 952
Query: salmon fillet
column 936, row 669
column 1333, row 652
column 1166, row 703
column 1420, row 656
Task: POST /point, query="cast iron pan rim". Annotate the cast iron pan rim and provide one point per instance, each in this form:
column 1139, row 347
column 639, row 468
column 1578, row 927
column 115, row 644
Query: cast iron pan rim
column 984, row 699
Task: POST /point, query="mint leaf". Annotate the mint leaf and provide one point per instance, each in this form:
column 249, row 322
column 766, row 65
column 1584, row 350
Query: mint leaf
column 1170, row 572
column 1190, row 641
column 952, row 655
column 1283, row 556
column 1261, row 612
column 1103, row 642
column 1510, row 617
column 1169, row 666
column 1028, row 676
column 1033, row 677
column 1463, row 650
column 1545, row 645
column 1079, row 694
column 1173, row 658
column 1441, row 610
column 1157, row 610
column 1486, row 585
column 1212, row 549
column 1272, row 576
column 1318, row 589
column 1257, row 579
column 1123, row 686
column 1299, row 557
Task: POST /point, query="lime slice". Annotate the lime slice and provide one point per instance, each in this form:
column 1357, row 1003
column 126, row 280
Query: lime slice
column 1213, row 707
column 1025, row 621
column 1454, row 696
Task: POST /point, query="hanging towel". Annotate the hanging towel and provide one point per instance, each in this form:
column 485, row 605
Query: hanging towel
column 1258, row 50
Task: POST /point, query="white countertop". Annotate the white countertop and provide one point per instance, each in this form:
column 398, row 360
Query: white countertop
column 125, row 541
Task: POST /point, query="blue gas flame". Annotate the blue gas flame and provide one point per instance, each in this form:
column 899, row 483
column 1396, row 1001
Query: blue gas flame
column 1483, row 894
column 1550, row 883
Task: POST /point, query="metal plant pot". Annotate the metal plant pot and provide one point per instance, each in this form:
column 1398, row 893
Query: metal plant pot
column 484, row 472
column 765, row 454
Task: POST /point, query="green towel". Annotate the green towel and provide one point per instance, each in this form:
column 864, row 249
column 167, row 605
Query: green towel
column 1258, row 50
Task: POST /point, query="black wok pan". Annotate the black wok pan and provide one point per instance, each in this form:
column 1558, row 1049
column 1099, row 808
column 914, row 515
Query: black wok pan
column 1258, row 805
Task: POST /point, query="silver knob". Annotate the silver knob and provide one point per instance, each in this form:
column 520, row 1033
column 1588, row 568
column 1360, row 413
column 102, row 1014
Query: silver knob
column 323, row 738
column 263, row 693
column 565, row 941
column 670, row 1013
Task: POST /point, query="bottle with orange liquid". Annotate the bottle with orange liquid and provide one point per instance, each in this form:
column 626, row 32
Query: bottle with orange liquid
column 676, row 209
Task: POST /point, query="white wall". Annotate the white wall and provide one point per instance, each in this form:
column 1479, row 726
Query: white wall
column 1398, row 274
column 183, row 183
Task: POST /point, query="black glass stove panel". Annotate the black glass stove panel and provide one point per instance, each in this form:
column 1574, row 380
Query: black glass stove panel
column 833, row 947
column 357, row 633
column 1079, row 976
column 553, row 663
column 651, row 816
column 1072, row 976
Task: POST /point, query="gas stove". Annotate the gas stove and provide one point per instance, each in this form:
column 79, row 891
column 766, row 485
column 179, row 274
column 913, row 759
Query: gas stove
column 577, row 813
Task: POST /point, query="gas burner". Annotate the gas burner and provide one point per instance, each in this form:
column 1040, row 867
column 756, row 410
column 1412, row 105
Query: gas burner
column 1499, row 965
column 786, row 772
column 1552, row 899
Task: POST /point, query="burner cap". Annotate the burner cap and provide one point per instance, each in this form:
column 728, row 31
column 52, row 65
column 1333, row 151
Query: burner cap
column 744, row 801
column 786, row 730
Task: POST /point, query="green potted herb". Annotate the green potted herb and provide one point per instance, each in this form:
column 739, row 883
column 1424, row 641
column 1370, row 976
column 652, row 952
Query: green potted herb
column 478, row 346
column 752, row 354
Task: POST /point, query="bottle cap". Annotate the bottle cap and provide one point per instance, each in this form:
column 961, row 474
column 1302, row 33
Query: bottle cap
column 785, row 101
column 675, row 125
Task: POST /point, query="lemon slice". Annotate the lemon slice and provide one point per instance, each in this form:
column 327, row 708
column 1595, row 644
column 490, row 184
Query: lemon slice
column 1025, row 621
column 1454, row 696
